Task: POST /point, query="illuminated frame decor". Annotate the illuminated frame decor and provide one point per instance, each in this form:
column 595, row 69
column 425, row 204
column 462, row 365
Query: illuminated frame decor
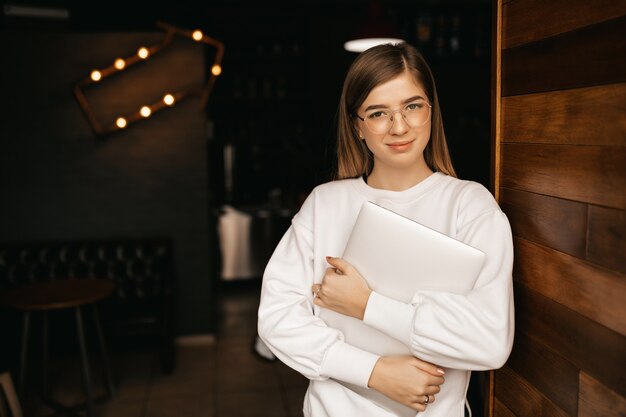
column 168, row 99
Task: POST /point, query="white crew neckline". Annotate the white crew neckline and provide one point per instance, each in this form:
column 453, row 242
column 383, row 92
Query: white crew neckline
column 409, row 194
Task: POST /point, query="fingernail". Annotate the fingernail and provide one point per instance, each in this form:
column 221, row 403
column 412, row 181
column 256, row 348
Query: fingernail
column 441, row 371
column 329, row 257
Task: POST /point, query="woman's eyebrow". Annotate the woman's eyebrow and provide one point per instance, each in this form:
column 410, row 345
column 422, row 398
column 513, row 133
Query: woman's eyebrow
column 383, row 106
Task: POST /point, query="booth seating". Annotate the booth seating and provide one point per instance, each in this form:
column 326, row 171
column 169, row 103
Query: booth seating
column 142, row 305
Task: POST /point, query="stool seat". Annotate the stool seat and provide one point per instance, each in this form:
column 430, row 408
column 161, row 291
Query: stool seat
column 58, row 294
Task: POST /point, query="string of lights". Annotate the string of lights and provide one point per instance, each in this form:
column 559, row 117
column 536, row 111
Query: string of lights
column 168, row 99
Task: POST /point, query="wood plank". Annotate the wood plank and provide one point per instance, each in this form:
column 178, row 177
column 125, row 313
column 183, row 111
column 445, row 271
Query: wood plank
column 596, row 293
column 554, row 222
column 592, row 347
column 496, row 101
column 555, row 377
column 582, row 58
column 582, row 116
column 501, row 410
column 531, row 20
column 598, row 400
column 607, row 238
column 522, row 398
column 591, row 174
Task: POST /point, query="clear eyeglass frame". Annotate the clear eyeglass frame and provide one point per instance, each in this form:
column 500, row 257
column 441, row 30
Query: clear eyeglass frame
column 374, row 125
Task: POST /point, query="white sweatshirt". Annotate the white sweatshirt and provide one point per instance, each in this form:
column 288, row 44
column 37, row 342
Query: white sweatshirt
column 457, row 332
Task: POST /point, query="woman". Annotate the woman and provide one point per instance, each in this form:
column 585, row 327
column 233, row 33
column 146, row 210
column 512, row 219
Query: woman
column 392, row 151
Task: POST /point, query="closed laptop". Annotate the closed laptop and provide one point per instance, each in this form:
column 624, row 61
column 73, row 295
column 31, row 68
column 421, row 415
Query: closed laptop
column 399, row 257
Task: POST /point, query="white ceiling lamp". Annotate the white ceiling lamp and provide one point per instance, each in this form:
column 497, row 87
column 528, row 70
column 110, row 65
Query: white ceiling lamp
column 17, row 10
column 374, row 31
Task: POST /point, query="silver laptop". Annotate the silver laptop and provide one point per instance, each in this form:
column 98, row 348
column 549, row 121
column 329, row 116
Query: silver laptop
column 398, row 257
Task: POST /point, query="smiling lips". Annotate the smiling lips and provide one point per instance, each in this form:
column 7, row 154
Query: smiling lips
column 400, row 146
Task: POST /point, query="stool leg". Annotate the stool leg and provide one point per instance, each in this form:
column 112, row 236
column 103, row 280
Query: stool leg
column 44, row 356
column 84, row 362
column 24, row 352
column 11, row 401
column 105, row 357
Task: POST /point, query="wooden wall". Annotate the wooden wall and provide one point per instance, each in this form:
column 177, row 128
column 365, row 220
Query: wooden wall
column 560, row 175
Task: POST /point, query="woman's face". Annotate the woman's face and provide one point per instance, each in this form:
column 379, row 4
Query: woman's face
column 402, row 145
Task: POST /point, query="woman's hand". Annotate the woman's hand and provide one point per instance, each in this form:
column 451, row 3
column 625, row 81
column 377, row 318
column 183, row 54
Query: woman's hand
column 342, row 289
column 407, row 380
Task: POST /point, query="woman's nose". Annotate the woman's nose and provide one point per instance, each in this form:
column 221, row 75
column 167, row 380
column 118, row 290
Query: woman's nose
column 398, row 124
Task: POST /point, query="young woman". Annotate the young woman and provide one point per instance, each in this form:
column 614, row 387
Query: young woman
column 392, row 151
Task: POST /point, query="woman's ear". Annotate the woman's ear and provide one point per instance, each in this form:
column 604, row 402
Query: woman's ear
column 358, row 131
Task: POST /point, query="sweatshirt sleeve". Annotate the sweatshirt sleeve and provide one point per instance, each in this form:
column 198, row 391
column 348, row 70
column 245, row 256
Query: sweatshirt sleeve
column 473, row 331
column 286, row 322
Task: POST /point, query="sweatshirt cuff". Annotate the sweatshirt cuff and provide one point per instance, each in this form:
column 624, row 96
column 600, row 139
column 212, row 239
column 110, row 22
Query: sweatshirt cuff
column 347, row 363
column 390, row 316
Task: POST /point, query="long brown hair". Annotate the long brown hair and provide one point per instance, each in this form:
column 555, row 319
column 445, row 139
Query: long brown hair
column 371, row 68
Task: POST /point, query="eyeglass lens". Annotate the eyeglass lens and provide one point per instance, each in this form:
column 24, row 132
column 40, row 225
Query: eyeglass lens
column 414, row 114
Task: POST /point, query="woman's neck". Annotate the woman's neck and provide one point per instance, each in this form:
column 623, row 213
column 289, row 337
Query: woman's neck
column 397, row 180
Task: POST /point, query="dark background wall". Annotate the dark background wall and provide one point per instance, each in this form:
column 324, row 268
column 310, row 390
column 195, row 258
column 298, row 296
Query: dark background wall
column 165, row 176
column 59, row 182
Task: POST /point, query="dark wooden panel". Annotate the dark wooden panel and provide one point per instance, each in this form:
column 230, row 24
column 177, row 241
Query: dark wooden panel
column 555, row 377
column 530, row 20
column 520, row 397
column 554, row 222
column 592, row 174
column 607, row 238
column 596, row 293
column 496, row 96
column 598, row 400
column 589, row 345
column 582, row 58
column 582, row 116
column 501, row 410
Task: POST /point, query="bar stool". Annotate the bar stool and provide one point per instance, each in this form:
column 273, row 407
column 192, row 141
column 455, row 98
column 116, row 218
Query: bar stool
column 55, row 295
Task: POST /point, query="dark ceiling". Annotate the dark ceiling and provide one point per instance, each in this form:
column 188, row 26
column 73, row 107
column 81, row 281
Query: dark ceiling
column 103, row 16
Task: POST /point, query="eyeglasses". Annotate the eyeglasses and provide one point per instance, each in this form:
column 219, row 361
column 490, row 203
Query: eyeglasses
column 415, row 114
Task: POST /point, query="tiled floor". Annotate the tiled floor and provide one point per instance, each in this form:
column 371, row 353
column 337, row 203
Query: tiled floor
column 219, row 379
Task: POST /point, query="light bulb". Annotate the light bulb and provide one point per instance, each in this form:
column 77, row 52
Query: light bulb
column 216, row 70
column 145, row 111
column 121, row 122
column 197, row 35
column 168, row 99
column 120, row 63
column 96, row 75
column 143, row 52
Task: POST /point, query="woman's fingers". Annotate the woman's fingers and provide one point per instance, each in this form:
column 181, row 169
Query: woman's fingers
column 316, row 289
column 400, row 379
column 429, row 367
column 422, row 402
column 338, row 264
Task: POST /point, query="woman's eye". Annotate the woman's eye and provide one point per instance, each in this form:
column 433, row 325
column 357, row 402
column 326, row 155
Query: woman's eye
column 376, row 115
column 414, row 106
